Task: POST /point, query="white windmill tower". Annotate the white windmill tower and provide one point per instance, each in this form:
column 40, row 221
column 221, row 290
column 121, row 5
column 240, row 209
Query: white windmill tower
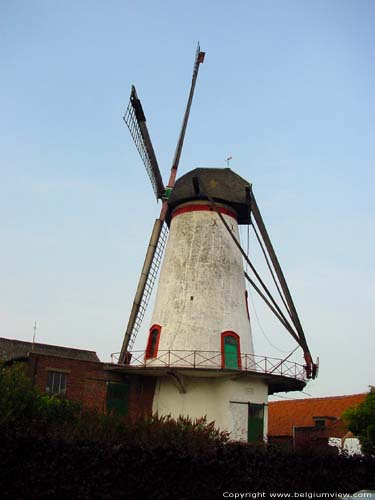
column 200, row 347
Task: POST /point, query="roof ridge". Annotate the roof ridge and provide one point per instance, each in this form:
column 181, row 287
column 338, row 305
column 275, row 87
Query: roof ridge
column 319, row 398
column 44, row 344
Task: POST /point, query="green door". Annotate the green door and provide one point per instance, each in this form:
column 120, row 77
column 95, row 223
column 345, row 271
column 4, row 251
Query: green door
column 117, row 398
column 255, row 423
column 230, row 352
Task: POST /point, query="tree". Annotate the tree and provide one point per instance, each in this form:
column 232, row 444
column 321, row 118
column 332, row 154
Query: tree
column 361, row 421
column 21, row 402
column 19, row 399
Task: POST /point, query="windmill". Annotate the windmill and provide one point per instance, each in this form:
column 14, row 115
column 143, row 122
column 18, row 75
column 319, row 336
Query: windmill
column 200, row 341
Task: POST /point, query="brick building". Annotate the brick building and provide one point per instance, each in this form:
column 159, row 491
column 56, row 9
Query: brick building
column 79, row 375
column 311, row 423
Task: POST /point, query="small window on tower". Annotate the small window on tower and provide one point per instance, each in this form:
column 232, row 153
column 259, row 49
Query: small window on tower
column 230, row 350
column 153, row 342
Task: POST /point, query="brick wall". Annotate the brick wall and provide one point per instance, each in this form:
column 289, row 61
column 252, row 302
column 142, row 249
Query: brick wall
column 142, row 391
column 311, row 438
column 87, row 382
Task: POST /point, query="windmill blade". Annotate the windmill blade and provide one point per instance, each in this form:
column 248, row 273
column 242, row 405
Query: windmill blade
column 199, row 59
column 146, row 283
column 310, row 366
column 135, row 120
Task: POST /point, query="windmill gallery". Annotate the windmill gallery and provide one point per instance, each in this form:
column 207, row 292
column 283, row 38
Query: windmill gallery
column 200, row 350
column 199, row 359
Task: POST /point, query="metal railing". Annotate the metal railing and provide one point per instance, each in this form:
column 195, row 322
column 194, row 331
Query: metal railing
column 214, row 360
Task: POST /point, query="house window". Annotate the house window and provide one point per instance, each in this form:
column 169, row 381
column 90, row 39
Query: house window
column 153, row 342
column 255, row 423
column 56, row 383
column 320, row 423
column 230, row 351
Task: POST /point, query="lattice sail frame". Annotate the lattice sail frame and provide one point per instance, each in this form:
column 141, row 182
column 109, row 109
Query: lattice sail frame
column 135, row 120
column 150, row 282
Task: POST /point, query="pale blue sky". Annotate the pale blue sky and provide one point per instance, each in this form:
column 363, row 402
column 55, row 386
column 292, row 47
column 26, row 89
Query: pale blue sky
column 286, row 89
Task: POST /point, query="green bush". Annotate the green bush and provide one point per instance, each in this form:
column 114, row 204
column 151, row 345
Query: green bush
column 23, row 404
column 183, row 430
column 19, row 399
column 154, row 431
column 361, row 421
column 52, row 448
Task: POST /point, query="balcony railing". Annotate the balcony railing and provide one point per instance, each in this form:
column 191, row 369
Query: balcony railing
column 214, row 360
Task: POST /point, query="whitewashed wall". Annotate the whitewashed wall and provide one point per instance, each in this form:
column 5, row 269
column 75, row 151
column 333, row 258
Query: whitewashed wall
column 351, row 445
column 218, row 398
column 201, row 290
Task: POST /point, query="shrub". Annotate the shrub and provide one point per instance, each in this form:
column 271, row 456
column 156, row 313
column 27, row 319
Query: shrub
column 19, row 399
column 21, row 403
column 361, row 421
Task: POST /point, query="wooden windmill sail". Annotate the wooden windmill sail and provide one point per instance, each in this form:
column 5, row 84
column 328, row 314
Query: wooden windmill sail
column 136, row 121
column 203, row 191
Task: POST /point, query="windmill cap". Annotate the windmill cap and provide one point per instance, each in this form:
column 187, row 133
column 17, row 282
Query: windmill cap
column 221, row 184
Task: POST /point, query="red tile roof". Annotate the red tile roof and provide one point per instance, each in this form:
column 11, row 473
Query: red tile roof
column 284, row 415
